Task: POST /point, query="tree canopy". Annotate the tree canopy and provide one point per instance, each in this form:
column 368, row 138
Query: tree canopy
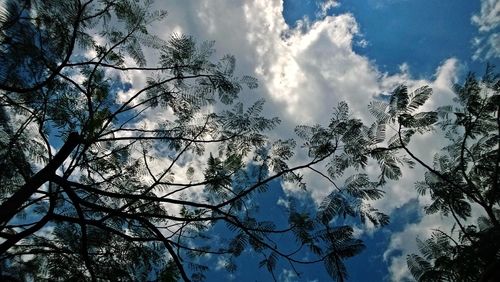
column 462, row 181
column 104, row 180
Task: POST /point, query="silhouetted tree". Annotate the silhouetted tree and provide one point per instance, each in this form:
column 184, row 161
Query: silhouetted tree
column 102, row 180
column 463, row 176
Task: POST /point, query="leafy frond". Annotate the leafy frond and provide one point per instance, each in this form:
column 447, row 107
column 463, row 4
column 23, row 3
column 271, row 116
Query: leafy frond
column 419, row 97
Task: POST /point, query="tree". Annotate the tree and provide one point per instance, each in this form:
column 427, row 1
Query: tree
column 464, row 176
column 102, row 180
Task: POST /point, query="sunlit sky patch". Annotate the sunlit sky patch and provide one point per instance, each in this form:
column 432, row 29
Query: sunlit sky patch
column 417, row 37
column 311, row 54
column 421, row 34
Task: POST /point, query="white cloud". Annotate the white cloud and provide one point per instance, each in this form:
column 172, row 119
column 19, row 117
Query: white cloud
column 489, row 17
column 221, row 263
column 405, row 242
column 402, row 191
column 304, row 72
column 287, row 275
column 382, row 4
column 487, row 44
column 487, row 47
column 325, row 6
column 283, row 202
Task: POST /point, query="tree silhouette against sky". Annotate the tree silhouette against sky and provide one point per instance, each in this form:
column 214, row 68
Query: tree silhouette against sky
column 103, row 179
column 106, row 180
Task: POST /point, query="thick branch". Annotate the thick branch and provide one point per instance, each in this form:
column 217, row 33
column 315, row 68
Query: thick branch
column 25, row 233
column 69, row 52
column 10, row 207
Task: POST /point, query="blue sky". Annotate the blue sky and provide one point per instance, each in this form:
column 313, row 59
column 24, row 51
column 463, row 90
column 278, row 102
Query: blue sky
column 420, row 33
column 308, row 61
column 309, row 55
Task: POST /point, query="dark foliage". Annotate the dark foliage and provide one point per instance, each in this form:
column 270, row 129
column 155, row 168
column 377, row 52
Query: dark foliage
column 463, row 177
column 106, row 181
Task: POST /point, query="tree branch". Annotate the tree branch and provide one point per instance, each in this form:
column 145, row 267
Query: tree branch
column 10, row 207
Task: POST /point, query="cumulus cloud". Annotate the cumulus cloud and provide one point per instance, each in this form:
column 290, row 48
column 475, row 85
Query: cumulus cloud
column 325, row 6
column 398, row 193
column 304, row 72
column 288, row 275
column 487, row 47
column 404, row 242
column 489, row 16
column 487, row 44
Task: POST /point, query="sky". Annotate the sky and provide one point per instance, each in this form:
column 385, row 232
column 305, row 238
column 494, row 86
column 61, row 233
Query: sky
column 311, row 54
